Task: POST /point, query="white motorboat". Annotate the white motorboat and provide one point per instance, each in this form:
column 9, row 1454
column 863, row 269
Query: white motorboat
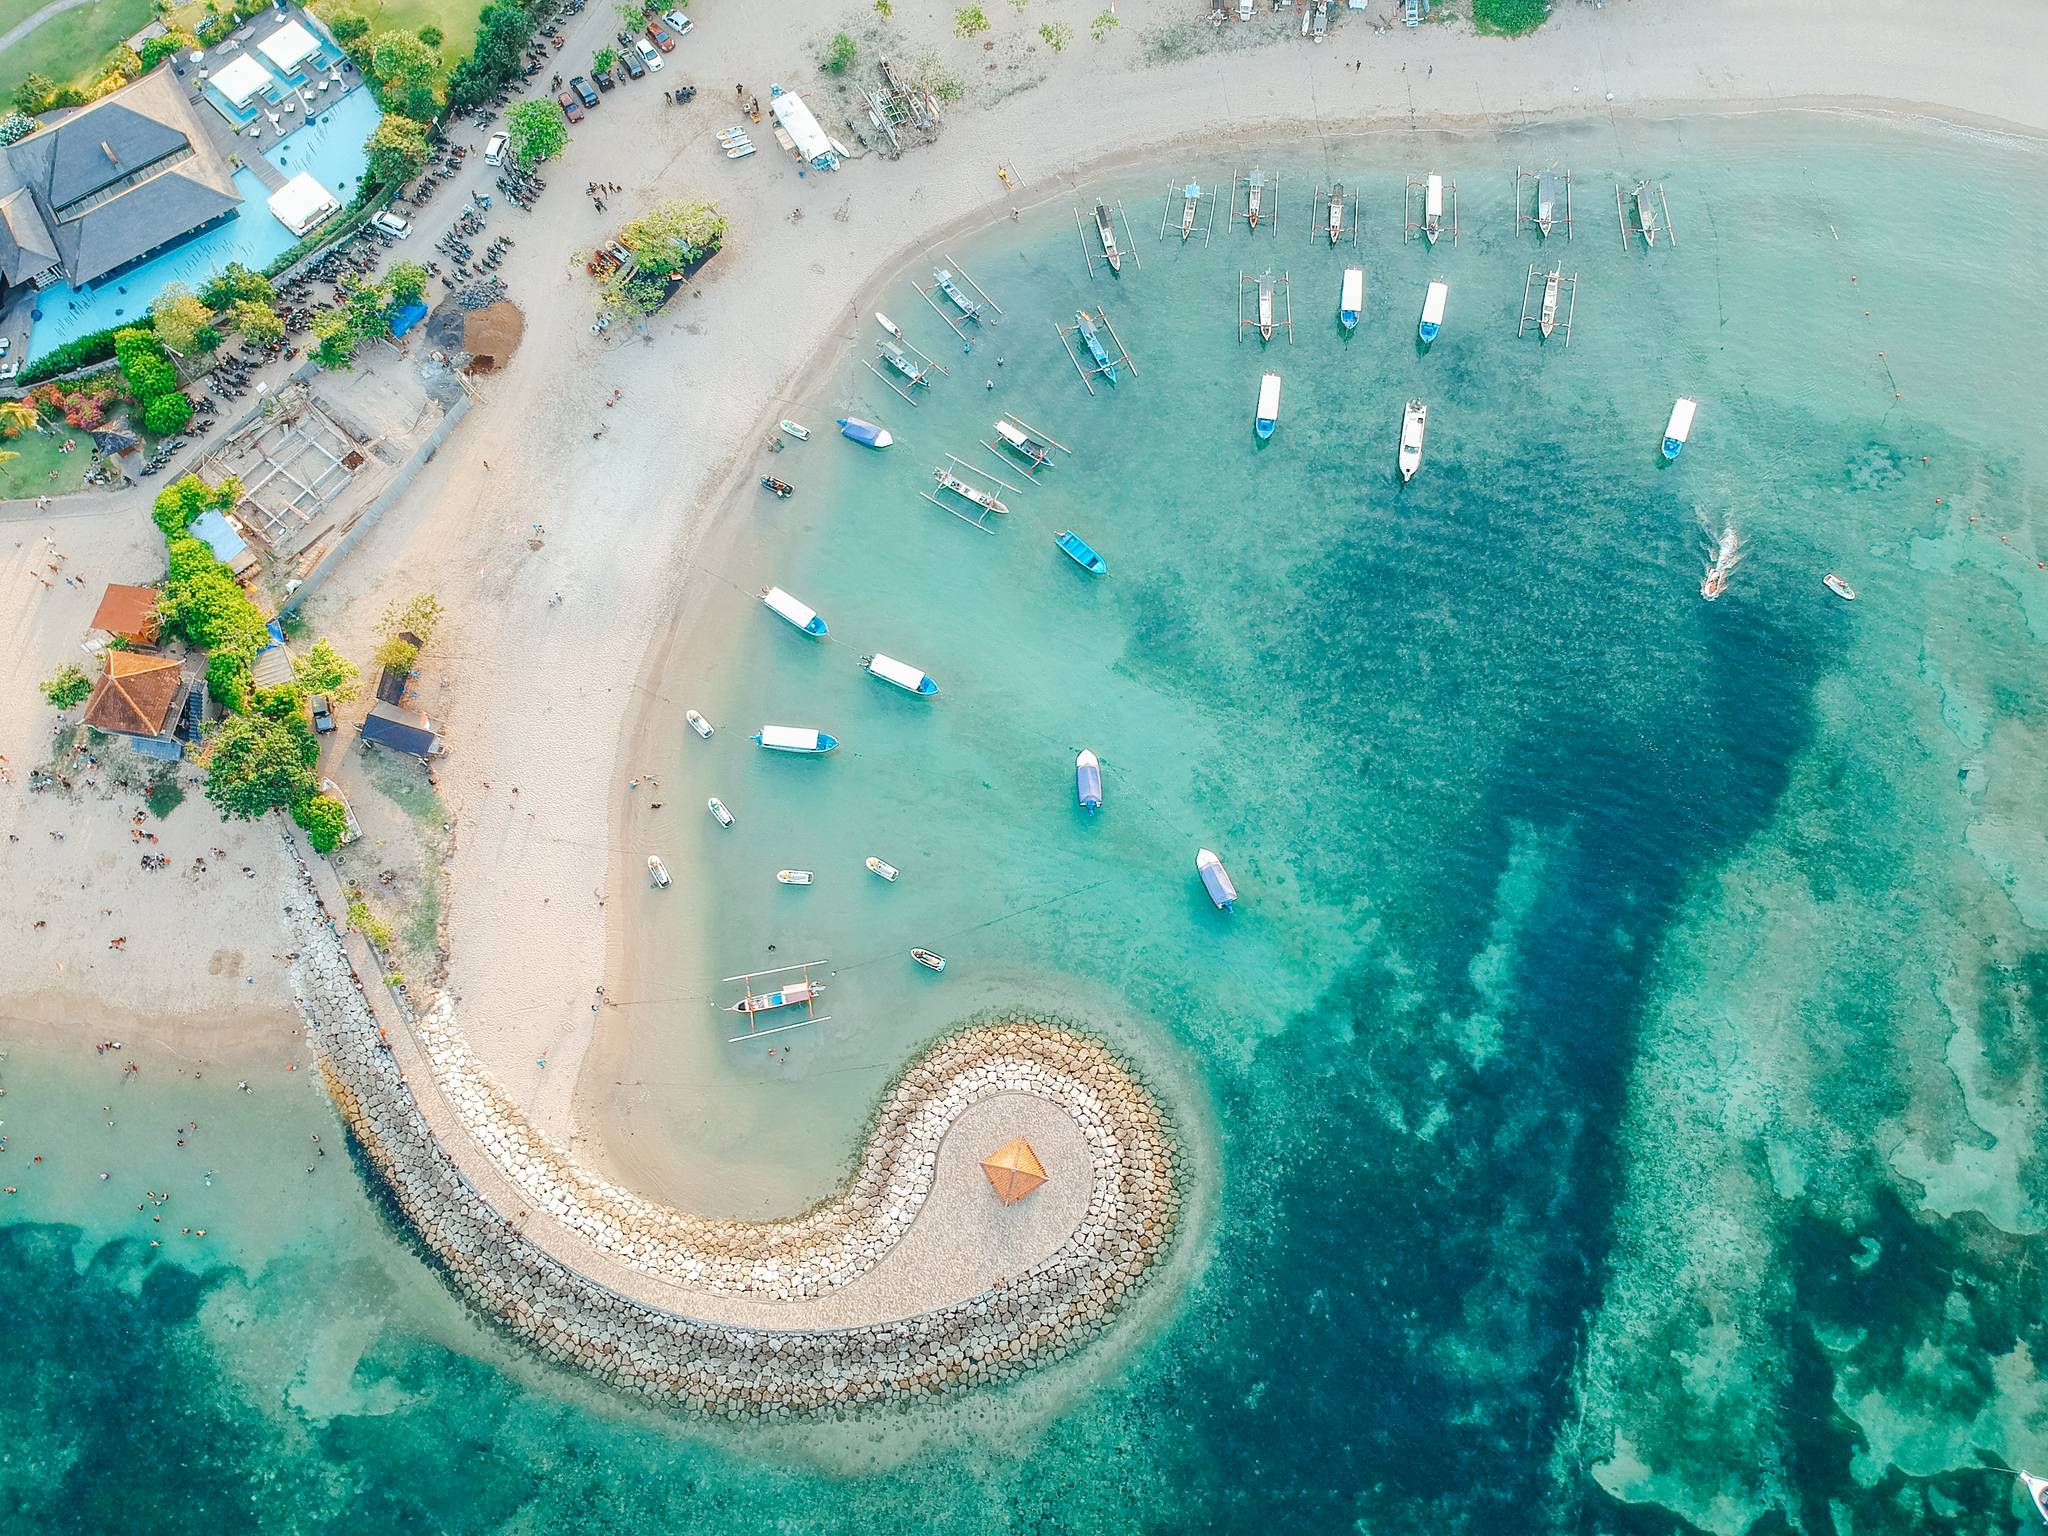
column 928, row 959
column 1353, row 298
column 1839, row 587
column 794, row 876
column 801, row 433
column 657, row 872
column 795, row 738
column 1216, row 880
column 882, row 867
column 718, row 811
column 698, row 724
column 900, row 673
column 801, row 614
column 1414, row 422
column 1679, row 427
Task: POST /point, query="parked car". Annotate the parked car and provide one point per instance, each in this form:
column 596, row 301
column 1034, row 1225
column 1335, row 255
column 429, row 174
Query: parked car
column 572, row 109
column 392, row 224
column 676, row 22
column 660, row 34
column 603, row 77
column 494, row 152
column 629, row 61
column 583, row 89
column 323, row 717
column 645, row 50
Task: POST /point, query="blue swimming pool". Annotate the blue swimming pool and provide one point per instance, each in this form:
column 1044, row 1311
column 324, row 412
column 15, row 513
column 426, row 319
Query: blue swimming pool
column 330, row 147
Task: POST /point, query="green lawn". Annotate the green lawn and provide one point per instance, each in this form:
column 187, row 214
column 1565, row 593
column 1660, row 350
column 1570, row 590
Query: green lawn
column 456, row 18
column 69, row 48
column 29, row 475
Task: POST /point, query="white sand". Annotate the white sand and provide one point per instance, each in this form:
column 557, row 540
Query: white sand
column 548, row 699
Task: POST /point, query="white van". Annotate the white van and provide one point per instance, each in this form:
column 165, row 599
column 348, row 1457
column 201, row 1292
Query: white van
column 393, row 224
column 494, row 152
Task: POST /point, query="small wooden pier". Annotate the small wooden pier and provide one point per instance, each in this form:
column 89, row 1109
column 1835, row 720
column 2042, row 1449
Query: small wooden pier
column 1189, row 209
column 1105, row 249
column 1255, row 198
column 1435, row 195
column 1542, row 204
column 1636, row 211
column 1116, row 355
column 957, row 313
column 1558, row 291
column 1034, row 447
column 1334, row 215
column 1272, row 305
column 985, row 503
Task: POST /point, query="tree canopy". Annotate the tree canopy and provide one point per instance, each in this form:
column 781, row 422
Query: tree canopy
column 320, row 668
column 398, row 150
column 537, row 131
column 257, row 321
column 408, row 73
column 258, row 763
column 237, row 282
column 671, row 235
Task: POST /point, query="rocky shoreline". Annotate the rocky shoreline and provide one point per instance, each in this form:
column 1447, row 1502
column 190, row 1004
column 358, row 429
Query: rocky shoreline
column 636, row 1343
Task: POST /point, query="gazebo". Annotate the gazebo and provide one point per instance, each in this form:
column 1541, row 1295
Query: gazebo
column 241, row 80
column 288, row 47
column 1014, row 1170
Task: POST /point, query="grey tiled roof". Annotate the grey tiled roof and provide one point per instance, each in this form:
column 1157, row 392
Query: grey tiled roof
column 25, row 244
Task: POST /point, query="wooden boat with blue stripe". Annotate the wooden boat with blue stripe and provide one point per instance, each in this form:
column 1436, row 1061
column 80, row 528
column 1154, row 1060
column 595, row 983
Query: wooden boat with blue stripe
column 800, row 739
column 901, row 674
column 801, row 614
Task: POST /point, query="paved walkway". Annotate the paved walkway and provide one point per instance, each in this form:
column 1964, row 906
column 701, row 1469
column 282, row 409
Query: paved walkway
column 22, row 29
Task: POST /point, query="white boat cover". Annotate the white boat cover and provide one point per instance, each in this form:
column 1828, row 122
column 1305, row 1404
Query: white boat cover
column 1269, row 397
column 1680, row 425
column 1433, row 303
column 798, row 613
column 789, row 738
column 796, row 120
column 890, row 670
column 1354, row 290
column 1433, row 198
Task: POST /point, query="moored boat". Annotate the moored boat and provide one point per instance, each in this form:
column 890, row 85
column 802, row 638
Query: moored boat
column 781, row 488
column 894, row 357
column 1266, row 290
column 1433, row 208
column 801, row 614
column 805, row 991
column 801, row 434
column 900, row 673
column 951, row 290
column 1268, row 416
column 1646, row 213
column 1088, row 781
column 1353, row 298
column 865, row 433
column 657, row 872
column 1215, row 880
column 1190, row 207
column 1546, row 322
column 1433, row 301
column 1016, row 438
column 1254, row 197
column 795, row 738
column 1092, row 339
column 948, row 481
column 1414, row 422
column 1839, row 587
column 1336, row 213
column 1546, row 202
column 881, row 867
column 1679, row 427
column 794, row 876
column 718, row 811
column 889, row 325
column 1107, row 231
column 929, row 960
column 698, row 724
column 1077, row 549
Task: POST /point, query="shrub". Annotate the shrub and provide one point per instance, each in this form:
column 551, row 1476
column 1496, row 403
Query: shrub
column 79, row 352
column 671, row 235
column 839, row 54
column 167, row 415
column 325, row 820
column 1509, row 18
column 884, row 9
column 157, row 49
column 347, row 27
column 368, row 924
column 432, row 35
column 67, row 687
column 1057, row 35
column 1105, row 23
column 969, row 21
column 165, row 795
column 15, row 127
column 257, row 763
column 36, row 94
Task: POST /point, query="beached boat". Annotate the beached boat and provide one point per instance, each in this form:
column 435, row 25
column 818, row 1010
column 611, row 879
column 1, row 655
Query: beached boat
column 1077, row 549
column 1266, row 293
column 801, row 614
column 1254, row 197
column 1215, row 880
column 794, row 876
column 797, row 992
column 1190, row 207
column 1107, row 231
column 1414, row 422
column 948, row 481
column 699, row 724
column 795, row 738
column 1016, row 438
column 1092, row 339
column 889, row 325
column 1088, row 781
column 951, row 290
column 718, row 811
column 1353, row 298
column 1679, row 427
column 1433, row 302
column 1839, row 587
column 865, row 433
column 1546, row 322
column 1433, row 208
column 902, row 674
column 801, row 434
column 1546, row 202
column 657, row 872
column 1337, row 213
column 1646, row 212
column 881, row 867
column 929, row 960
column 781, row 488
column 1268, row 416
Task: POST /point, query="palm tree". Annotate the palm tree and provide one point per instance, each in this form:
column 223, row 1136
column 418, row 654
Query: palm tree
column 16, row 417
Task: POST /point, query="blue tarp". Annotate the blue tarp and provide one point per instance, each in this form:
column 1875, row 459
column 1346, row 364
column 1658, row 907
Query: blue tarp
column 218, row 535
column 407, row 318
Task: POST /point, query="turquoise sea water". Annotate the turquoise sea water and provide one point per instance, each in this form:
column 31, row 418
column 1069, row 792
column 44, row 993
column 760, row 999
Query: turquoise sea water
column 1617, row 1098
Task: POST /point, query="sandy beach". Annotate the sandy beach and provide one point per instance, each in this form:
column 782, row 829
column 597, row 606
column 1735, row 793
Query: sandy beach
column 551, row 709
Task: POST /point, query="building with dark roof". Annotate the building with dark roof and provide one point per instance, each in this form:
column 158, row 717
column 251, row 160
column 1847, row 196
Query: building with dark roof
column 400, row 730
column 104, row 188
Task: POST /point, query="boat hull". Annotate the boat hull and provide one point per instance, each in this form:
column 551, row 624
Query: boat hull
column 699, row 724
column 929, row 960
column 801, row 433
column 1077, row 549
column 1428, row 331
column 800, row 743
column 1088, row 782
column 866, row 433
column 718, row 811
column 1673, row 447
column 881, row 867
column 1216, row 881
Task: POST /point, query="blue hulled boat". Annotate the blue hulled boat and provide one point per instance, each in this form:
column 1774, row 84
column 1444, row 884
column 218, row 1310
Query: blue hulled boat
column 1077, row 550
column 1085, row 324
column 866, row 433
column 1088, row 781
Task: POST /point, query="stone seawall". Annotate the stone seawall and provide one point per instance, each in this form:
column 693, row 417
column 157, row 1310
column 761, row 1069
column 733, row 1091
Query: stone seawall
column 638, row 1332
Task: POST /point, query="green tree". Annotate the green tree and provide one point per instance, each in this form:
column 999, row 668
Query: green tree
column 167, row 414
column 157, row 49
column 672, row 234
column 257, row 763
column 1509, row 18
column 347, row 26
column 398, row 150
column 604, row 59
column 67, row 687
column 884, row 9
column 325, row 820
column 178, row 503
column 204, row 604
column 179, row 318
column 839, row 54
column 1057, row 35
column 396, row 655
column 432, row 35
column 419, row 615
column 257, row 321
column 320, row 668
column 337, row 339
column 409, row 71
column 537, row 131
column 969, row 21
column 36, row 93
column 405, row 282
column 1105, row 23
column 237, row 282
column 145, row 365
column 632, row 15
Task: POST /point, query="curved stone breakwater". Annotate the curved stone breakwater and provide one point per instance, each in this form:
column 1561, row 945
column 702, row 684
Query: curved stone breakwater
column 641, row 1342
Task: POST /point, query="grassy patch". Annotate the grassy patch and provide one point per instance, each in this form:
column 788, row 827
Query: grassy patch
column 1509, row 18
column 407, row 906
column 68, row 48
column 30, row 474
column 457, row 19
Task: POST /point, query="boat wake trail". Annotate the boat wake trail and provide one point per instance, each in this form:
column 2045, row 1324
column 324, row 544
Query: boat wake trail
column 1727, row 555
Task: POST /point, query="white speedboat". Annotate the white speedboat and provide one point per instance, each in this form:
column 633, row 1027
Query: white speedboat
column 657, row 872
column 795, row 738
column 801, row 433
column 928, row 959
column 794, row 876
column 1414, row 422
column 881, row 867
column 718, row 811
column 699, row 724
column 1215, row 880
column 794, row 611
column 1839, row 587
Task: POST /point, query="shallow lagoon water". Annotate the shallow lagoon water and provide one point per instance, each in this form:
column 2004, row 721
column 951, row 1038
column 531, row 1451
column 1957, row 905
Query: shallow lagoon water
column 1620, row 1087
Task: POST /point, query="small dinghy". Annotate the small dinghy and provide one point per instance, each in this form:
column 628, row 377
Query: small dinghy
column 929, row 960
column 1076, row 549
column 740, row 151
column 718, row 811
column 699, row 724
column 793, row 876
column 866, row 433
column 1088, row 781
column 1414, row 423
column 781, row 488
column 795, row 738
column 1216, row 880
column 901, row 673
column 881, row 867
column 889, row 325
column 801, row 434
column 657, row 872
column 1679, row 427
column 1839, row 587
column 801, row 614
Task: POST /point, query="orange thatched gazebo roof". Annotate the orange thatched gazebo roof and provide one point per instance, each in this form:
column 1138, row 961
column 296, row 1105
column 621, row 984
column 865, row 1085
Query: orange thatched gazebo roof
column 1014, row 1170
